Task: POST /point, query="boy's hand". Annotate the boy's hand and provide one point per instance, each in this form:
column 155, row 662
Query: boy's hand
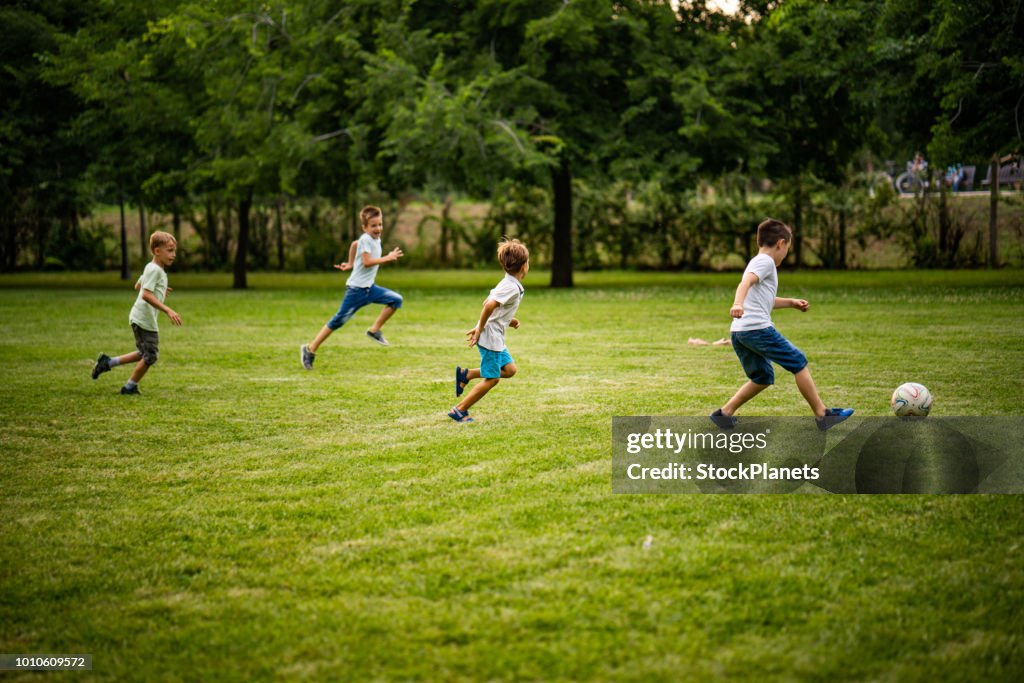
column 736, row 311
column 514, row 323
column 395, row 254
column 175, row 318
column 472, row 336
column 801, row 304
column 344, row 266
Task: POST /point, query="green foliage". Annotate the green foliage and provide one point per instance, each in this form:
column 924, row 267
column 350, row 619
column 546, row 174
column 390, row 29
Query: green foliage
column 517, row 211
column 638, row 105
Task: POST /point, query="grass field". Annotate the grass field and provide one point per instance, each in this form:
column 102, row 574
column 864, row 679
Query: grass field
column 245, row 519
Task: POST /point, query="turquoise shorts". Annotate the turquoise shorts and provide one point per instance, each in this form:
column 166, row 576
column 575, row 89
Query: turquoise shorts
column 491, row 362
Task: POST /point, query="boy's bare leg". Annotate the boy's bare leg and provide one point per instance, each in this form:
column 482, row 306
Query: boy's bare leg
column 805, row 383
column 139, row 371
column 477, row 393
column 381, row 319
column 320, row 337
column 744, row 394
column 133, row 357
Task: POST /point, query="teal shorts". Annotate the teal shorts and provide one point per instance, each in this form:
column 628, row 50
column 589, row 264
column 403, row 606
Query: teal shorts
column 491, row 362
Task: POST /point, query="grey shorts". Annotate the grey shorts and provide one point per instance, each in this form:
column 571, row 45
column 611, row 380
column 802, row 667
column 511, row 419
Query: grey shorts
column 148, row 344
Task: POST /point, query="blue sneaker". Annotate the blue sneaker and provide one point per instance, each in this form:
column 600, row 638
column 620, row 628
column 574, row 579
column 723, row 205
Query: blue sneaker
column 461, row 379
column 833, row 416
column 721, row 420
column 459, row 415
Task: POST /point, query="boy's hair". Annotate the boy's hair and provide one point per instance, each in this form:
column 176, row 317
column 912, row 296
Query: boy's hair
column 369, row 212
column 771, row 231
column 161, row 239
column 512, row 255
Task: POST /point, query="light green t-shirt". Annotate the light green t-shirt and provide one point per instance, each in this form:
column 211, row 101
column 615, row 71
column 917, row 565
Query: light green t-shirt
column 154, row 278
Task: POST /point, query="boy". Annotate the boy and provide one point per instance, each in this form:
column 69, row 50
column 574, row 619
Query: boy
column 755, row 339
column 489, row 334
column 364, row 257
column 152, row 287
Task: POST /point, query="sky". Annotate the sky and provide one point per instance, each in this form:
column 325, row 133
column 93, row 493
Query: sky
column 728, row 6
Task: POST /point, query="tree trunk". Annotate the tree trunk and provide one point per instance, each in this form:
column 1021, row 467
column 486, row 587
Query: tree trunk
column 280, row 235
column 224, row 244
column 241, row 254
column 561, row 256
column 144, row 247
column 210, row 238
column 125, row 273
column 993, row 215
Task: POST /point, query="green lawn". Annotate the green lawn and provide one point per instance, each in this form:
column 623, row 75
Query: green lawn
column 245, row 519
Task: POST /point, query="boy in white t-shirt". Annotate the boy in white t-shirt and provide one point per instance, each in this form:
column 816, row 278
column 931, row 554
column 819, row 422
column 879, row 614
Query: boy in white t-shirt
column 152, row 287
column 364, row 257
column 755, row 339
column 498, row 313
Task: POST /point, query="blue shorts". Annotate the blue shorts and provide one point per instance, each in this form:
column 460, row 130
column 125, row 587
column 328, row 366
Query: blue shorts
column 357, row 297
column 758, row 348
column 491, row 362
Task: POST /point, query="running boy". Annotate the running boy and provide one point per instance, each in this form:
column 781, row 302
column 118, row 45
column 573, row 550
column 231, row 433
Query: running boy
column 489, row 334
column 153, row 289
column 364, row 257
column 755, row 339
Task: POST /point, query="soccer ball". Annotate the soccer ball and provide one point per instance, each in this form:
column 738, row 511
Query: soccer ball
column 911, row 400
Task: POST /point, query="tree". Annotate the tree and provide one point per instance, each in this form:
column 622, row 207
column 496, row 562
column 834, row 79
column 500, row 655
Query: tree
column 811, row 58
column 42, row 163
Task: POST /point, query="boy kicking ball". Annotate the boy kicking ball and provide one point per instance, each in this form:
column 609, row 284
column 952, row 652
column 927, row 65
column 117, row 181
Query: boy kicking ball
column 755, row 339
column 497, row 315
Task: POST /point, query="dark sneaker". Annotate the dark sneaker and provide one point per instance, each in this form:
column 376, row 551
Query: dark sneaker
column 307, row 357
column 102, row 365
column 459, row 415
column 721, row 420
column 130, row 390
column 461, row 379
column 377, row 337
column 833, row 416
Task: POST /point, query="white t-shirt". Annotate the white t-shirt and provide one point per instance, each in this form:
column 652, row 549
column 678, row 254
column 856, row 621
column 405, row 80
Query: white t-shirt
column 363, row 276
column 509, row 293
column 153, row 278
column 757, row 307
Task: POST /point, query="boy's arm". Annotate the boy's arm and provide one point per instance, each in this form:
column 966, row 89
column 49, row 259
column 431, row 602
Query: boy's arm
column 474, row 334
column 347, row 265
column 748, row 281
column 791, row 303
column 395, row 254
column 151, row 299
